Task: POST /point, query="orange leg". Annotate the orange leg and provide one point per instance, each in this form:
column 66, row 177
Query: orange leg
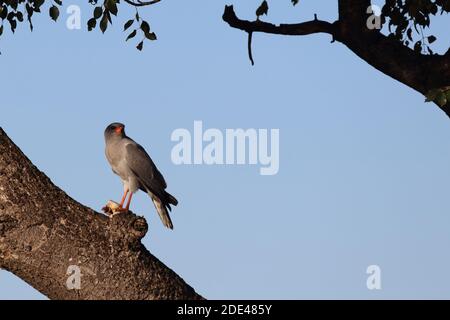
column 129, row 201
column 123, row 198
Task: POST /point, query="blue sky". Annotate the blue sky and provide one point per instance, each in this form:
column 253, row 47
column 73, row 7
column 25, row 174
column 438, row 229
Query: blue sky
column 364, row 162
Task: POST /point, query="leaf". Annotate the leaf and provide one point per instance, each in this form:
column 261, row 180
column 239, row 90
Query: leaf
column 108, row 15
column 54, row 12
column 13, row 4
column 262, row 9
column 19, row 16
column 104, row 23
column 13, row 25
column 29, row 11
column 431, row 39
column 441, row 99
column 432, row 94
column 1, row 30
column 128, row 24
column 418, row 47
column 294, row 2
column 58, row 2
column 91, row 24
column 131, row 35
column 145, row 27
column 409, row 34
column 38, row 4
column 98, row 12
column 3, row 12
column 140, row 46
column 111, row 6
column 150, row 36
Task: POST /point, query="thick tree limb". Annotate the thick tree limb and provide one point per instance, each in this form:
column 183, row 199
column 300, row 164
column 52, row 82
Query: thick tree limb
column 420, row 72
column 43, row 231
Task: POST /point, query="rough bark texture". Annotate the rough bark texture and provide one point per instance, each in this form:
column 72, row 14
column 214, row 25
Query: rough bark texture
column 43, row 231
column 418, row 71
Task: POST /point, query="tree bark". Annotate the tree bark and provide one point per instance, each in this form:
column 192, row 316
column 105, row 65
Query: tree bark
column 43, row 232
column 420, row 72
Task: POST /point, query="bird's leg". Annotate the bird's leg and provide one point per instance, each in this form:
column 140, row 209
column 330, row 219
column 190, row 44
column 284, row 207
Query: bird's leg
column 129, row 202
column 123, row 198
column 121, row 209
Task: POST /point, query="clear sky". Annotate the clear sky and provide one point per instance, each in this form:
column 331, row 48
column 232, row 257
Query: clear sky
column 364, row 162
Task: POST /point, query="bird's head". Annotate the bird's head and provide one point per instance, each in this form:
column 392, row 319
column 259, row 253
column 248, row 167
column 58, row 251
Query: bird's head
column 115, row 129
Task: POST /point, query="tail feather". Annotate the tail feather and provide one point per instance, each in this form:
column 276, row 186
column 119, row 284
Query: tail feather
column 162, row 205
column 171, row 199
column 162, row 212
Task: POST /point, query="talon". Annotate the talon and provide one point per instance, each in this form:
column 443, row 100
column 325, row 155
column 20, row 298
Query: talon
column 121, row 210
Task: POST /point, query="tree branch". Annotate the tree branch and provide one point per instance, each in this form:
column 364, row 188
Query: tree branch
column 298, row 29
column 43, row 232
column 420, row 72
column 139, row 3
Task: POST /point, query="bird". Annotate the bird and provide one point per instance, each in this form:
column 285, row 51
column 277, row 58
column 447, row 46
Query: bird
column 136, row 169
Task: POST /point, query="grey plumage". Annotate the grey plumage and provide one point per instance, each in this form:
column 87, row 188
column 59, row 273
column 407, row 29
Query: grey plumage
column 134, row 166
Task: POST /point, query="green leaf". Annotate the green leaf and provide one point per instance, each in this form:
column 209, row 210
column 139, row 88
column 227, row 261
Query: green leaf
column 54, row 12
column 128, row 24
column 145, row 27
column 140, row 46
column 131, row 35
column 262, row 9
column 98, row 12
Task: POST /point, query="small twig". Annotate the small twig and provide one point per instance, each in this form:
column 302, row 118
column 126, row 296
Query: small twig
column 250, row 54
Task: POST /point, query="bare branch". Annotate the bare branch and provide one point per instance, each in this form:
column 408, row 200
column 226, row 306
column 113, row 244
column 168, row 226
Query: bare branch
column 139, row 3
column 298, row 29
